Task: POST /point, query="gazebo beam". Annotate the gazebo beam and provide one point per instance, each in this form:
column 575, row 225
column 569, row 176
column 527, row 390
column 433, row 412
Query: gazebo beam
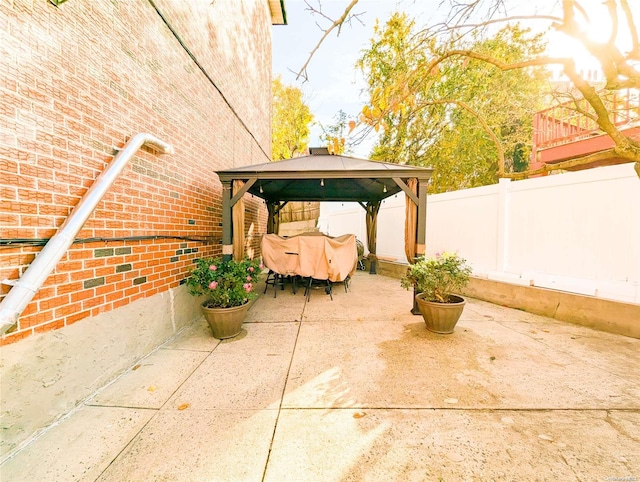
column 248, row 183
column 402, row 185
column 227, row 227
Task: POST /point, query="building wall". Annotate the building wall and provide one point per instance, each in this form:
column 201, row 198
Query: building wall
column 77, row 81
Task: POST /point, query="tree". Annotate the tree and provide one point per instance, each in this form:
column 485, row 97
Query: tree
column 334, row 135
column 465, row 117
column 621, row 68
column 289, row 121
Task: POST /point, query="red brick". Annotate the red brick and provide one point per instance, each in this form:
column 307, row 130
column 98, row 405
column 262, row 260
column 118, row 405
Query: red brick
column 32, row 316
column 93, row 302
column 71, row 319
column 49, row 326
column 67, row 310
column 82, row 275
column 13, row 337
column 52, row 303
column 64, row 111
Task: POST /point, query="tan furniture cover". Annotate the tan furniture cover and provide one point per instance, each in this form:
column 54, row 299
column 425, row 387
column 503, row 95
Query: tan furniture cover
column 321, row 257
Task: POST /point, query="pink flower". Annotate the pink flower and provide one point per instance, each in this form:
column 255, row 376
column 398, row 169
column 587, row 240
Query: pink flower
column 248, row 278
column 213, row 285
column 251, row 269
column 213, row 267
column 247, row 287
column 261, row 265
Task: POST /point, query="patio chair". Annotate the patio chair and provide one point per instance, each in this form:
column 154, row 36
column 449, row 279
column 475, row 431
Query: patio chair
column 276, row 280
column 360, row 251
column 320, row 283
column 346, row 282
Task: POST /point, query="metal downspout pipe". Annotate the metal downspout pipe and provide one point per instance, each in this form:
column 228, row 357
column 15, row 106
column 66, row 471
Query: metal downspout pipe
column 34, row 277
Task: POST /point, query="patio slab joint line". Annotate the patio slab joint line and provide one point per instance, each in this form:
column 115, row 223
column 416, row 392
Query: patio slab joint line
column 85, row 402
column 284, row 389
column 156, row 410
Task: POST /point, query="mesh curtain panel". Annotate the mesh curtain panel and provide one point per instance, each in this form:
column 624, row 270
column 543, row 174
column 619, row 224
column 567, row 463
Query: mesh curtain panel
column 238, row 223
column 273, row 223
column 411, row 223
column 372, row 228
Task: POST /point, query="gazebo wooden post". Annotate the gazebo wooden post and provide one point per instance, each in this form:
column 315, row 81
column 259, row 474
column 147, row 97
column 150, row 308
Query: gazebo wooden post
column 422, row 217
column 421, row 222
column 227, row 228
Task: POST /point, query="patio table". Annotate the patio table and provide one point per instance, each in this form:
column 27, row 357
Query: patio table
column 311, row 255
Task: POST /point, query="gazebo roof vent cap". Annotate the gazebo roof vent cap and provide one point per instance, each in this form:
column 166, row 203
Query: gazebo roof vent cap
column 319, row 151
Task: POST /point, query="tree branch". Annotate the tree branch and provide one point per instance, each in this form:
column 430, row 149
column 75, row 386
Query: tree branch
column 613, row 13
column 515, row 18
column 336, row 24
column 635, row 45
column 505, row 66
column 613, row 63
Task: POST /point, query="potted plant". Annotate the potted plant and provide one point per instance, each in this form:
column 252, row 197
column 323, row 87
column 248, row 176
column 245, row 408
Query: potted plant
column 436, row 279
column 228, row 286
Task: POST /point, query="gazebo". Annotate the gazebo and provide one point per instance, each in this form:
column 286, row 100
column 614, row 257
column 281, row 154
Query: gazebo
column 321, row 176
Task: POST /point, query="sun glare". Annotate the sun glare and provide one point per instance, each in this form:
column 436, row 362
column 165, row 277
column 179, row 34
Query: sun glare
column 597, row 25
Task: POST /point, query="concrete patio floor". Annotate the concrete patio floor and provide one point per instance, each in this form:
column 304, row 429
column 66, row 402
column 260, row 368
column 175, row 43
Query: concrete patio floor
column 357, row 389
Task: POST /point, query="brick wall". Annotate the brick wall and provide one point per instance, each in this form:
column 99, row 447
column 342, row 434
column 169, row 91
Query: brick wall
column 76, row 82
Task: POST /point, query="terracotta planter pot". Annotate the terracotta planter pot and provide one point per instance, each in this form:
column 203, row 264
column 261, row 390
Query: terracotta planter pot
column 440, row 317
column 225, row 322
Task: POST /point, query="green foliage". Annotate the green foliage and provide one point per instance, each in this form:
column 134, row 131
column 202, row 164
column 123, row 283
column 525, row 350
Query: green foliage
column 438, row 277
column 224, row 283
column 290, row 120
column 334, row 135
column 421, row 106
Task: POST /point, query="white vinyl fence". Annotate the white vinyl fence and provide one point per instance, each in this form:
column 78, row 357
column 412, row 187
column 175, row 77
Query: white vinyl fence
column 576, row 232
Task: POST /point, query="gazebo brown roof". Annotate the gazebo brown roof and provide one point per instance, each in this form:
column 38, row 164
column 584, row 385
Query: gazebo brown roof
column 324, row 177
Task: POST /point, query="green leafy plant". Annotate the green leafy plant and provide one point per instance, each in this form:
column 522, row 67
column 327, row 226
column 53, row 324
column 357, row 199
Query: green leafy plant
column 224, row 283
column 438, row 277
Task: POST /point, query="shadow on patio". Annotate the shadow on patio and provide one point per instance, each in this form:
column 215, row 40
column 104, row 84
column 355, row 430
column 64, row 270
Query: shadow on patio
column 357, row 389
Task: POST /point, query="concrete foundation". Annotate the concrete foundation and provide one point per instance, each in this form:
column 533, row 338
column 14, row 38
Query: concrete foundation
column 47, row 375
column 355, row 388
column 601, row 314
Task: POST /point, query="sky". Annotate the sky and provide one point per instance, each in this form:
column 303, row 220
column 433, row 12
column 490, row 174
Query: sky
column 333, row 82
